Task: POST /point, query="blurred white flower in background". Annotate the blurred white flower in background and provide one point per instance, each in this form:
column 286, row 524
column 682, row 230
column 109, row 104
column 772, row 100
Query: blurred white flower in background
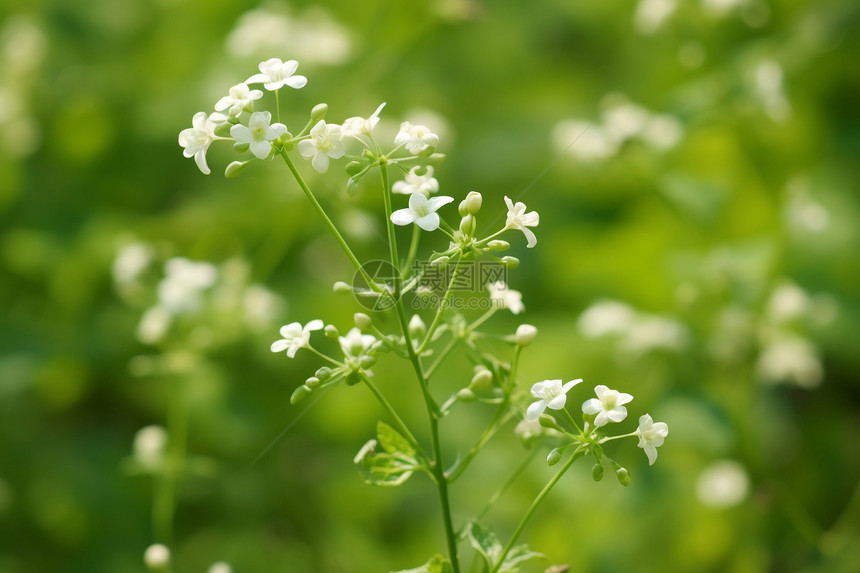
column 768, row 86
column 722, row 484
column 637, row 332
column 790, row 359
column 650, row 14
column 23, row 47
column 150, row 447
column 311, row 36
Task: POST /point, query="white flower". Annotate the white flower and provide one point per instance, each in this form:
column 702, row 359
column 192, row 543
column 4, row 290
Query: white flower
column 609, row 405
column 416, row 138
column 326, row 141
column 184, row 281
column 651, row 436
column 421, row 211
column 239, row 97
column 415, row 183
column 355, row 344
column 274, row 74
column 503, row 297
column 724, row 483
column 355, row 126
column 220, row 567
column 156, row 556
column 197, row 138
column 259, row 134
column 150, row 445
column 550, row 394
column 519, row 219
column 295, row 337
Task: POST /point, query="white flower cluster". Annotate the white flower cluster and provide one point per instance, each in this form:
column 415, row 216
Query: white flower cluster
column 608, row 406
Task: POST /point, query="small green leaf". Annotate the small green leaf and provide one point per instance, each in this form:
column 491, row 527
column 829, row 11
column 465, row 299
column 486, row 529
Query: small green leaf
column 516, row 556
column 391, row 441
column 485, row 542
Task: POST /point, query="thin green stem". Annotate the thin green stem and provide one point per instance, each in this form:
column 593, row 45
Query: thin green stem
column 442, row 305
column 537, row 501
column 401, row 425
column 441, row 357
column 413, row 249
column 501, row 491
column 441, row 479
column 328, row 222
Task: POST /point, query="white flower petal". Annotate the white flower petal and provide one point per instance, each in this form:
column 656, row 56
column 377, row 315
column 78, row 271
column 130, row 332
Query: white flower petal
column 403, row 217
column 261, row 149
column 320, row 162
column 429, row 222
column 558, row 402
column 535, row 409
column 280, row 345
column 315, row 324
column 296, row 82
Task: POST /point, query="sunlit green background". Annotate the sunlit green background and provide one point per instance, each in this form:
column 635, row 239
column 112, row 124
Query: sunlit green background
column 694, row 160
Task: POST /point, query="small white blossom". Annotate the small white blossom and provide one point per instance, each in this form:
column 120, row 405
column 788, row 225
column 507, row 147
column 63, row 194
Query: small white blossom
column 157, row 557
column 131, row 261
column 196, row 139
column 326, row 141
column 275, row 74
column 503, row 297
column 220, row 567
column 150, row 446
column 424, row 183
column 416, row 138
column 519, row 219
column 651, row 435
column 609, row 405
column 183, row 283
column 239, row 97
column 550, row 394
column 355, row 126
column 295, row 336
column 421, row 211
column 724, row 483
column 259, row 134
column 355, row 344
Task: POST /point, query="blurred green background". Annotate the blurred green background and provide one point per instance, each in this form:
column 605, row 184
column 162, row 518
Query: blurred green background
column 695, row 165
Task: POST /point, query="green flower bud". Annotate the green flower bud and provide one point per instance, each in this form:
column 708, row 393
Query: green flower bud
column 510, row 262
column 341, row 287
column 299, row 394
column 353, row 378
column 548, row 421
column 471, row 204
column 312, row 382
column 235, row 168
column 465, row 395
column 319, row 112
column 623, row 476
column 355, row 167
column 482, row 378
column 362, row 321
column 597, row 472
column 498, row 245
column 553, row 457
column 525, row 334
column 331, row 331
column 468, row 224
column 367, row 362
column 241, row 147
column 323, row 373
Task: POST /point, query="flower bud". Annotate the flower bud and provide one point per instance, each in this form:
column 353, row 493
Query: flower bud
column 341, row 287
column 471, row 204
column 355, row 167
column 623, row 476
column 312, row 382
column 299, row 394
column 235, row 168
column 353, row 378
column 331, row 331
column 597, row 472
column 525, row 334
column 417, row 329
column 482, row 378
column 318, row 112
column 468, row 224
column 323, row 373
column 510, row 262
column 465, row 395
column 367, row 361
column 553, row 457
column 548, row 421
column 157, row 557
column 498, row 245
column 362, row 321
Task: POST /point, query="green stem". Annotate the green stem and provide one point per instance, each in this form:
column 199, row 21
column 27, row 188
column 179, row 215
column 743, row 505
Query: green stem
column 501, row 491
column 441, row 479
column 537, row 501
column 413, row 249
column 442, row 305
column 401, row 425
column 328, row 222
column 441, row 357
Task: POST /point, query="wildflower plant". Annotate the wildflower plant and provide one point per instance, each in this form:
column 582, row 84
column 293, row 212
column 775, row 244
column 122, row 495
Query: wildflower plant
column 394, row 455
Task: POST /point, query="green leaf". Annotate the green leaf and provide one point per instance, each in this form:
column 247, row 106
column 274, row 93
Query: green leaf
column 516, row 556
column 389, row 467
column 391, row 441
column 485, row 542
column 437, row 564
